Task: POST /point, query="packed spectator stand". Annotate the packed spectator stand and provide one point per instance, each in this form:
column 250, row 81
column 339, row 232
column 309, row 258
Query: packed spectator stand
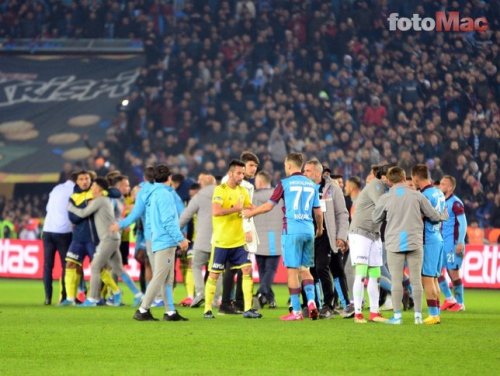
column 326, row 78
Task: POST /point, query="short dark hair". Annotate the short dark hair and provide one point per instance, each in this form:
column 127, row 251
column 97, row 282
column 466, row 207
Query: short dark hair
column 396, row 175
column 195, row 186
column 149, row 174
column 178, row 178
column 162, row 173
column 337, row 176
column 248, row 156
column 420, row 171
column 355, row 180
column 235, row 163
column 102, row 182
column 383, row 170
column 296, row 158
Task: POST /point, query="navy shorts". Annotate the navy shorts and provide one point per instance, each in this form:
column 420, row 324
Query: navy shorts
column 237, row 257
column 78, row 250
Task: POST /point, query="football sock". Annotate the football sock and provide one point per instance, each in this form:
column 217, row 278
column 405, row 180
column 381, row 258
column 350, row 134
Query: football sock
column 210, row 287
column 107, row 279
column 189, row 283
column 358, row 287
column 438, row 305
column 81, row 284
column 443, row 285
column 458, row 289
column 338, row 288
column 308, row 286
column 130, row 284
column 319, row 293
column 373, row 294
column 385, row 283
column 294, row 298
column 70, row 282
column 247, row 286
column 358, row 292
column 169, row 292
column 77, row 281
column 431, row 306
column 62, row 289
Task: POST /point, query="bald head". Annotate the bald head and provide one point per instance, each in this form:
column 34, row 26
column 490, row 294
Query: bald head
column 205, row 180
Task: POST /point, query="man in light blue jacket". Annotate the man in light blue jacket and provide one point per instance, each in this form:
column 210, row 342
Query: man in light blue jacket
column 165, row 237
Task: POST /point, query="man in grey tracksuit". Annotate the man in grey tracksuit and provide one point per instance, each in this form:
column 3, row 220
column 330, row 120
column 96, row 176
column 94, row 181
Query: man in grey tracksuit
column 201, row 206
column 109, row 241
column 403, row 209
column 269, row 227
column 327, row 258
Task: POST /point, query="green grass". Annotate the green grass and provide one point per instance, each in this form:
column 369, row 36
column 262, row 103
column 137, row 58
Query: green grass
column 51, row 340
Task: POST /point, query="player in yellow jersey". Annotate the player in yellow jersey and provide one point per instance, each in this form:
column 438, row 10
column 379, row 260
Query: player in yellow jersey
column 228, row 239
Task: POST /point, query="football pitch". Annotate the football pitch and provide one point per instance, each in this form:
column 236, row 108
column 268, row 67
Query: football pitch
column 51, row 340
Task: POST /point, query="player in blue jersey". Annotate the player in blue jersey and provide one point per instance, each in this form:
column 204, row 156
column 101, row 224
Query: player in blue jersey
column 301, row 198
column 454, row 230
column 433, row 242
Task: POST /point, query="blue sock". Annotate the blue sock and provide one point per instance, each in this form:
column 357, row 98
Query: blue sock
column 385, row 283
column 458, row 289
column 319, row 293
column 170, row 297
column 308, row 286
column 431, row 306
column 443, row 285
column 338, row 288
column 294, row 299
column 130, row 284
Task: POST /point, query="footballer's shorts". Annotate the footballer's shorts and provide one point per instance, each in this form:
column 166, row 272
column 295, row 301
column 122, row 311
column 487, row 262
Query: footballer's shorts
column 297, row 250
column 451, row 260
column 433, row 259
column 78, row 250
column 237, row 257
column 365, row 251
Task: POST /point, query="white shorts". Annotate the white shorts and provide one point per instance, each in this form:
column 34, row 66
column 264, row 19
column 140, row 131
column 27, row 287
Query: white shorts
column 365, row 251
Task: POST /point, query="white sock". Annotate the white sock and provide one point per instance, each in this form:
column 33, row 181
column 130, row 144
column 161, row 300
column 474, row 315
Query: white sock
column 373, row 294
column 358, row 290
column 170, row 313
column 142, row 310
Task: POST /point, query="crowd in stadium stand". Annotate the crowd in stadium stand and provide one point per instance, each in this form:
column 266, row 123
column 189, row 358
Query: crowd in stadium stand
column 326, row 78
